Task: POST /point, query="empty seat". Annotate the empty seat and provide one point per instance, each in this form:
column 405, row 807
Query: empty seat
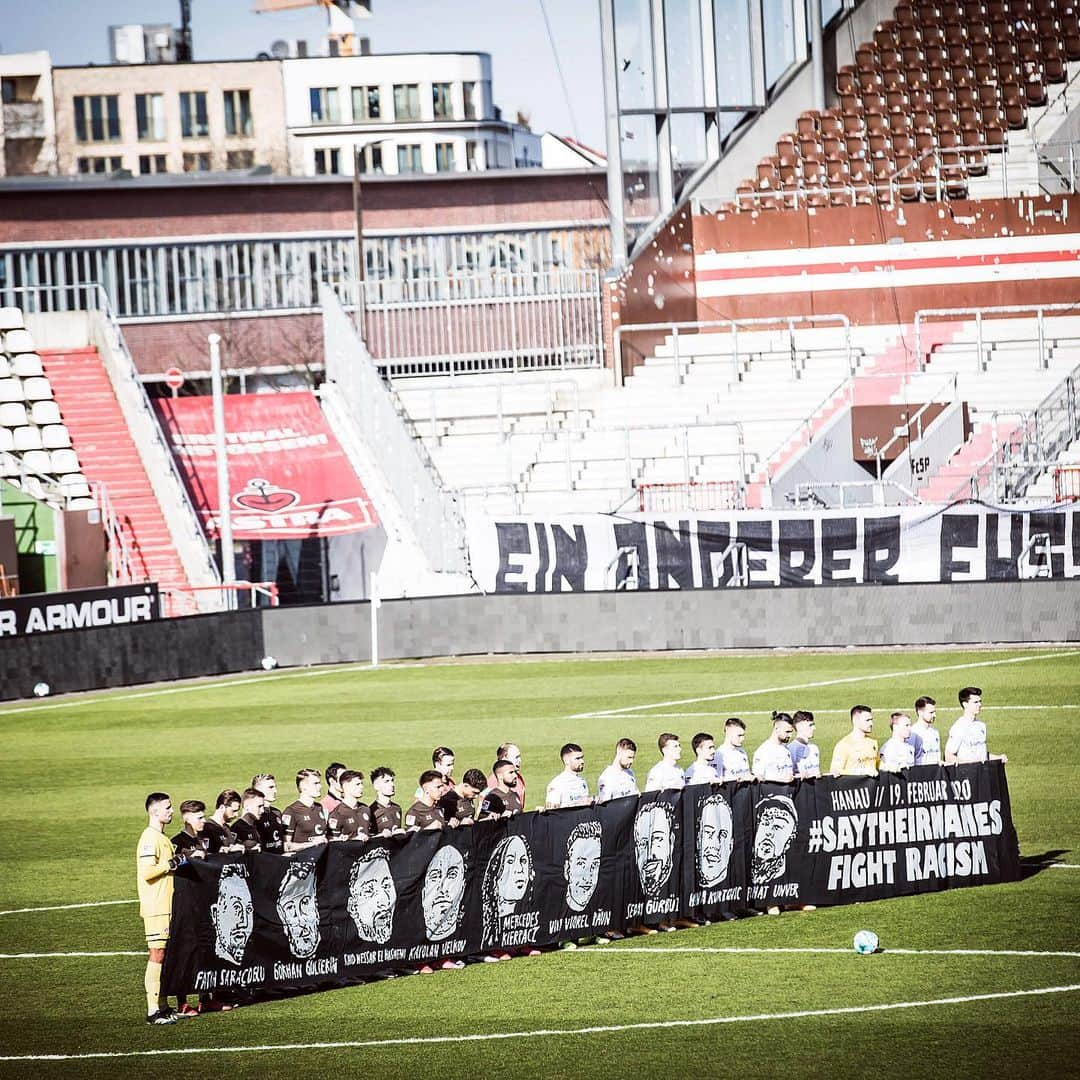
column 36, row 461
column 12, row 390
column 45, row 412
column 17, row 341
column 55, row 437
column 64, row 461
column 13, row 414
column 27, row 364
column 5, row 367
column 7, row 440
column 74, row 486
column 9, row 465
column 27, row 438
column 37, row 389
column 11, row 318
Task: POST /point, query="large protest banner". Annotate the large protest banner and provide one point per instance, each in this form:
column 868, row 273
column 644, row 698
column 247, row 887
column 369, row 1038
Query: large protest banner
column 898, row 545
column 335, row 914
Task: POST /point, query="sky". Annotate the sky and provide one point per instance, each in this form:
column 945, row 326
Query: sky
column 524, row 71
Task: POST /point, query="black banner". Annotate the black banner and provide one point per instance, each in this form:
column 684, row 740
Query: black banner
column 332, row 915
column 45, row 613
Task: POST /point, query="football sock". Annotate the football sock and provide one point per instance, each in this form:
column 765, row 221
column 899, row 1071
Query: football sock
column 152, row 983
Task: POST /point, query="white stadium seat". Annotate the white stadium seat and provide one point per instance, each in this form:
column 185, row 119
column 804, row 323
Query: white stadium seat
column 36, row 461
column 17, row 341
column 5, row 367
column 74, row 486
column 55, row 437
column 37, row 389
column 11, row 318
column 11, row 390
column 7, row 440
column 27, row 438
column 12, row 414
column 27, row 364
column 9, row 465
column 45, row 412
column 84, row 502
column 63, row 461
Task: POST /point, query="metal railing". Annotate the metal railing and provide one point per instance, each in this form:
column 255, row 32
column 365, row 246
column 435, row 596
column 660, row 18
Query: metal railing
column 495, row 322
column 256, row 591
column 691, row 495
column 913, row 422
column 1067, row 483
column 390, row 437
column 875, row 492
column 1039, row 311
column 121, row 564
column 733, row 326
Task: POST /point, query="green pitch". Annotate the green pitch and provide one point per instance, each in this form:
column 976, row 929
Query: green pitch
column 74, row 773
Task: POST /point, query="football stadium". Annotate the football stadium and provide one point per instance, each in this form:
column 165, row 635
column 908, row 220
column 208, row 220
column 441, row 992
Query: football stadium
column 540, row 537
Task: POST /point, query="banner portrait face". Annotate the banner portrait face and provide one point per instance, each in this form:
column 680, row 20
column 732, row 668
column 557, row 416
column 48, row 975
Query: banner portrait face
column 232, row 914
column 775, row 824
column 298, row 909
column 372, row 896
column 582, row 866
column 653, row 846
column 507, row 880
column 715, row 841
column 443, row 893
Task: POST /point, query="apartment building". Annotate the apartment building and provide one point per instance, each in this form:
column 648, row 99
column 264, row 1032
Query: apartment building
column 399, row 114
column 155, row 118
column 27, row 130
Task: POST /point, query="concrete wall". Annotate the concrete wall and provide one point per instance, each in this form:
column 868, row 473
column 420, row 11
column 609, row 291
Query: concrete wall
column 917, row 615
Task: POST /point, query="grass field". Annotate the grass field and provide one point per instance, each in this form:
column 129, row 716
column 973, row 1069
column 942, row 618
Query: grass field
column 716, row 1001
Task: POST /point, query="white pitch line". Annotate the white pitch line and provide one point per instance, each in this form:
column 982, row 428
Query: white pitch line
column 67, row 907
column 63, row 955
column 751, row 950
column 844, row 712
column 1064, row 866
column 539, row 1033
column 824, row 682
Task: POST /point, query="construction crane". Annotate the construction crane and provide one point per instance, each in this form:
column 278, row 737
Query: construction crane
column 340, row 33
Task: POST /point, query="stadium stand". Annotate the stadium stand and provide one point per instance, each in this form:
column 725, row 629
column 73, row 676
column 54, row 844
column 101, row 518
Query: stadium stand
column 940, row 91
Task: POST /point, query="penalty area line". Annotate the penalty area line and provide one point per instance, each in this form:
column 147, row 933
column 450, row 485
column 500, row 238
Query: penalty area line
column 740, row 950
column 847, row 679
column 541, row 1033
column 63, row 955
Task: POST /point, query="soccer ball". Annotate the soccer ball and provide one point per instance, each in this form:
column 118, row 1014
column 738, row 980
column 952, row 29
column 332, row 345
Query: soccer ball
column 865, row 942
column 268, row 663
column 41, row 689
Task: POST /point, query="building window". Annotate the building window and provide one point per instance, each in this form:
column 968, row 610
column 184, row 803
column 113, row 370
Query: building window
column 369, row 160
column 444, row 157
column 150, row 116
column 472, row 105
column 472, row 156
column 97, row 118
column 199, row 162
column 408, row 159
column 407, row 101
column 194, row 123
column 240, row 159
column 151, row 163
column 324, row 105
column 365, row 103
column 238, row 112
column 327, row 161
column 99, row 164
column 441, row 101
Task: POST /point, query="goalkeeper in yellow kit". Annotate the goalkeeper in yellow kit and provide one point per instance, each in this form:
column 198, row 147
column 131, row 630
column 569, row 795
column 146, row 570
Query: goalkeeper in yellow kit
column 155, row 863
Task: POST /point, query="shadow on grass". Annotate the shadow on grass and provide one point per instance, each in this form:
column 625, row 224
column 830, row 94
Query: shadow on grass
column 1030, row 865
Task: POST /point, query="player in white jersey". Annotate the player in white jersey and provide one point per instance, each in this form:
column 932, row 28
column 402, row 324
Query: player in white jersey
column 618, row 780
column 730, row 760
column 925, row 737
column 897, row 751
column 666, row 775
column 701, row 770
column 967, row 737
column 772, row 759
column 805, row 754
column 569, row 788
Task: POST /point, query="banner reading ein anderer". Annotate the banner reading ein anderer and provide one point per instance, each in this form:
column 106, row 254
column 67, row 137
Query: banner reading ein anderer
column 329, row 916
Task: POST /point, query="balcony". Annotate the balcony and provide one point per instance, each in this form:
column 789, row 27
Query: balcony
column 24, row 120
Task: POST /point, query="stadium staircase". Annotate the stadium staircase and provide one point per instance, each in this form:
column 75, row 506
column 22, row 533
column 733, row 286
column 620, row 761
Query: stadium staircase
column 110, row 457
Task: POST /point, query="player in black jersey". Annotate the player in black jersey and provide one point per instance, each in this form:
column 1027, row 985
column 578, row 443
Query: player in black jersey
column 191, row 836
column 217, row 829
column 247, row 826
column 271, row 831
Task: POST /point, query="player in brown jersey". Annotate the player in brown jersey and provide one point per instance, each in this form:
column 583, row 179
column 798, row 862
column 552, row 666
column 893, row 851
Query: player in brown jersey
column 217, row 827
column 459, row 803
column 385, row 813
column 501, row 800
column 246, row 827
column 271, row 831
column 425, row 812
column 351, row 819
column 304, row 821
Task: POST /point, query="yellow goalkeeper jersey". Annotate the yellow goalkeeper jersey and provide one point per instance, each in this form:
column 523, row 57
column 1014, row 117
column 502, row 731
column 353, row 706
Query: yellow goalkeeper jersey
column 152, row 873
